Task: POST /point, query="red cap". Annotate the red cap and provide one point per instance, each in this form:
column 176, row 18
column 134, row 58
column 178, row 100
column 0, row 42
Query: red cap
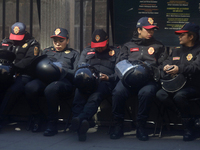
column 99, row 38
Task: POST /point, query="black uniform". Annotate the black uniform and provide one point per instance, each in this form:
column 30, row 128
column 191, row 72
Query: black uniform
column 187, row 59
column 152, row 52
column 56, row 90
column 26, row 51
column 86, row 105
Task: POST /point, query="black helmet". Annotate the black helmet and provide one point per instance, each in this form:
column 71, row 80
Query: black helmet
column 86, row 78
column 173, row 83
column 46, row 70
column 133, row 74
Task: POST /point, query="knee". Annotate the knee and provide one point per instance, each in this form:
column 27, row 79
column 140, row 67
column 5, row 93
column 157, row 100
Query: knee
column 162, row 96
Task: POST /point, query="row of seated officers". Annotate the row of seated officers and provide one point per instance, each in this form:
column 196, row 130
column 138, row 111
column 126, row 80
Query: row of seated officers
column 25, row 60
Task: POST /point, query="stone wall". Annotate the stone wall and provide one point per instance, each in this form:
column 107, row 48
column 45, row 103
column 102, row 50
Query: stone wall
column 56, row 13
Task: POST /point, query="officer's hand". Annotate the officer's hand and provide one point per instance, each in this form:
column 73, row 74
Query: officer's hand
column 103, row 77
column 166, row 67
column 174, row 70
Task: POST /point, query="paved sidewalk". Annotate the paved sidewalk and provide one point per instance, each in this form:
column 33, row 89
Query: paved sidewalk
column 16, row 137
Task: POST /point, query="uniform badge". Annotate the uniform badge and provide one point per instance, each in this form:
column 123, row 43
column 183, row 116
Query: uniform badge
column 189, row 57
column 16, row 29
column 151, row 50
column 25, row 45
column 36, row 51
column 97, row 38
column 67, row 51
column 52, row 49
column 150, row 20
column 111, row 52
column 57, row 31
column 176, row 58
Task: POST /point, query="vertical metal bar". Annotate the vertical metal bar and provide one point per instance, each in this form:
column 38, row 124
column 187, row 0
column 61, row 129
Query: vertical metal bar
column 3, row 19
column 107, row 16
column 39, row 11
column 81, row 25
column 31, row 16
column 112, row 19
column 93, row 15
column 17, row 10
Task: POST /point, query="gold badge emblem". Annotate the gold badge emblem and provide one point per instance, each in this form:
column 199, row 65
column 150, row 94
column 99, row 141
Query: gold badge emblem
column 25, row 45
column 57, row 31
column 97, row 38
column 52, row 48
column 151, row 50
column 36, row 51
column 189, row 57
column 150, row 20
column 67, row 51
column 16, row 29
column 111, row 52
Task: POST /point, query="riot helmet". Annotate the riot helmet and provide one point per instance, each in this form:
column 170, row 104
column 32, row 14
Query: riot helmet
column 46, row 70
column 134, row 74
column 86, row 78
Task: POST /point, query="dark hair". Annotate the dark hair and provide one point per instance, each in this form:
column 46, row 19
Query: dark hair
column 195, row 36
column 135, row 33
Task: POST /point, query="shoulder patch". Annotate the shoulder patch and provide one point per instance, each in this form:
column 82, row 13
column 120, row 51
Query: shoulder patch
column 36, row 51
column 151, row 50
column 111, row 52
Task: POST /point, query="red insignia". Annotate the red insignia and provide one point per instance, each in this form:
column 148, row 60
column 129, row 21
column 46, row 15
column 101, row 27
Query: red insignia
column 57, row 31
column 150, row 20
column 176, row 58
column 16, row 29
column 134, row 49
column 151, row 50
column 90, row 53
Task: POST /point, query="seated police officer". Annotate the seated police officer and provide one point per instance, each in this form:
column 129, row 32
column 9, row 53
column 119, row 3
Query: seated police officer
column 102, row 57
column 54, row 80
column 183, row 61
column 26, row 49
column 143, row 48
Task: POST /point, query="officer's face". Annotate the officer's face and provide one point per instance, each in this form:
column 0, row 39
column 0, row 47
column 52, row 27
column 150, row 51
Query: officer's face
column 100, row 49
column 185, row 39
column 60, row 43
column 145, row 33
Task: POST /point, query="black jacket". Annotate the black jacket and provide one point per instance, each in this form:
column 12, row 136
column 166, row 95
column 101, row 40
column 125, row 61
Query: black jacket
column 26, row 51
column 103, row 62
column 68, row 58
column 188, row 61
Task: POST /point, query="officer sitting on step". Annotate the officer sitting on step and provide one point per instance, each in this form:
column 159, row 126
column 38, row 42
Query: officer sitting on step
column 145, row 48
column 102, row 57
column 54, row 80
column 26, row 49
column 184, row 61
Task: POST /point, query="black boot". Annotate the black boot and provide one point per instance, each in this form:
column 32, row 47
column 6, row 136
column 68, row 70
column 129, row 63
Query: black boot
column 141, row 132
column 118, row 129
column 84, row 126
column 51, row 128
column 188, row 134
column 36, row 123
column 75, row 124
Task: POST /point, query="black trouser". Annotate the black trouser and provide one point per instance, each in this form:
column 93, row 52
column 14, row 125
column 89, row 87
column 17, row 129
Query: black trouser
column 145, row 95
column 85, row 106
column 13, row 93
column 53, row 92
column 178, row 99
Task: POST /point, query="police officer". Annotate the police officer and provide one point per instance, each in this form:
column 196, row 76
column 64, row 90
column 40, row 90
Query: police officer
column 142, row 47
column 184, row 60
column 26, row 49
column 103, row 58
column 66, row 60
